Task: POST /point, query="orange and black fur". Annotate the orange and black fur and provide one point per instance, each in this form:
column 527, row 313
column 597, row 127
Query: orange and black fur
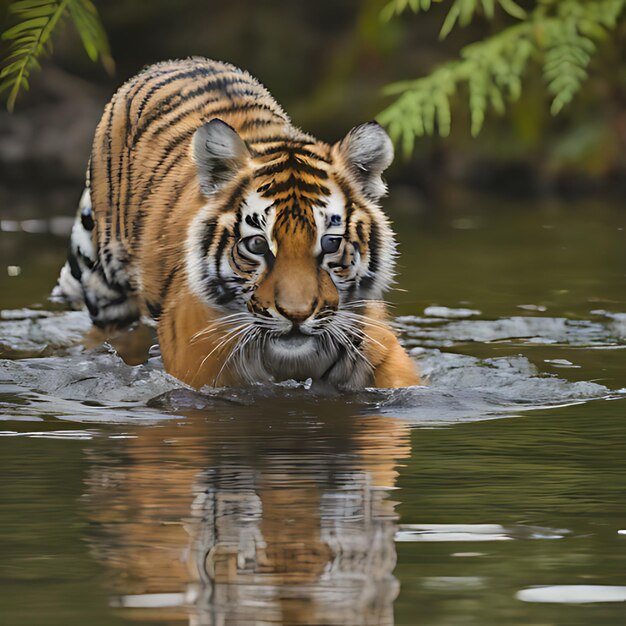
column 260, row 251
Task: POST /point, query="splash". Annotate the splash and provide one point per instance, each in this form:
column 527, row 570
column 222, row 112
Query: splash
column 49, row 374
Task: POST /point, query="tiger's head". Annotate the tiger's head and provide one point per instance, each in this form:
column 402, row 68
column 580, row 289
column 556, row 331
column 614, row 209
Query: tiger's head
column 291, row 243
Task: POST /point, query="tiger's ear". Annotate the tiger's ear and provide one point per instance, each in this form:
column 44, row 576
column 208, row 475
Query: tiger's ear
column 368, row 152
column 219, row 153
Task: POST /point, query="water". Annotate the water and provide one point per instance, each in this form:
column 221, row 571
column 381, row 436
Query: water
column 494, row 495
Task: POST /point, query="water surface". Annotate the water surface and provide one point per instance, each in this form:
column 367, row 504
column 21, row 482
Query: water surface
column 494, row 495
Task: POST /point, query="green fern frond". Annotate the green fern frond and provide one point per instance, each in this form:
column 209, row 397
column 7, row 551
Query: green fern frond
column 397, row 7
column 31, row 37
column 565, row 62
column 461, row 12
column 562, row 35
column 569, row 45
column 87, row 21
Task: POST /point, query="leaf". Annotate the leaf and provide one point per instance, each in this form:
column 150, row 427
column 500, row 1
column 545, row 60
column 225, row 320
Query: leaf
column 513, row 9
column 559, row 35
column 488, row 8
column 408, row 141
column 450, row 21
column 387, row 12
column 466, row 11
column 444, row 116
column 91, row 31
column 29, row 25
column 30, row 38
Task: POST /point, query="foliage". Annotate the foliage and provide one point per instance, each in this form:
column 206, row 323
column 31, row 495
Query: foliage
column 560, row 35
column 30, row 37
column 461, row 11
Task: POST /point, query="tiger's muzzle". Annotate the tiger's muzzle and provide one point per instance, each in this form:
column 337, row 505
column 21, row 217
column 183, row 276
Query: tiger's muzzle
column 295, row 292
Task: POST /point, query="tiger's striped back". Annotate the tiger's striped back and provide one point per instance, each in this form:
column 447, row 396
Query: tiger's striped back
column 140, row 161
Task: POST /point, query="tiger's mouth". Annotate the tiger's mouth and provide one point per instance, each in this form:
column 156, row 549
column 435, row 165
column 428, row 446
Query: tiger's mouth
column 295, row 339
column 297, row 355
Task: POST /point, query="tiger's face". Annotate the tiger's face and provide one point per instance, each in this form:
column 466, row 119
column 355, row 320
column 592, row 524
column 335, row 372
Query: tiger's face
column 291, row 244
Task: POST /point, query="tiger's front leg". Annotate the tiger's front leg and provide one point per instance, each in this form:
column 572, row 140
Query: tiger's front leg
column 189, row 352
column 385, row 363
column 393, row 367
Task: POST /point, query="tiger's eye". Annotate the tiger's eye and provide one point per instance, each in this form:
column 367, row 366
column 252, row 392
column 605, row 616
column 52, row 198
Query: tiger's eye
column 256, row 244
column 330, row 243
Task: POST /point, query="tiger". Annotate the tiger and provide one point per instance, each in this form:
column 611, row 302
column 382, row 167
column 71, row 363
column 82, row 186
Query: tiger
column 260, row 253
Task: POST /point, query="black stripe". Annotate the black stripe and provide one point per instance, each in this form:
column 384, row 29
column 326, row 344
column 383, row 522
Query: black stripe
column 226, row 294
column 251, row 264
column 89, row 263
column 194, row 73
column 207, row 241
column 127, row 140
column 154, row 309
column 165, row 217
column 360, row 231
column 285, row 164
column 209, row 233
column 177, row 191
column 107, row 142
column 292, row 148
column 91, row 307
column 121, row 299
column 308, row 168
column 74, row 266
column 344, row 187
column 286, row 141
column 192, row 95
column 234, row 199
column 167, row 284
column 129, row 98
column 257, row 122
column 238, row 108
column 156, row 178
column 171, row 102
column 219, row 250
column 220, row 291
column 293, row 182
column 296, row 198
column 86, row 219
column 374, row 260
column 233, row 258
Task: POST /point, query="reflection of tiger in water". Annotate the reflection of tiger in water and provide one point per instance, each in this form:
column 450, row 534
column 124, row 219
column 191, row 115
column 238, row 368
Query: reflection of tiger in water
column 293, row 528
column 260, row 251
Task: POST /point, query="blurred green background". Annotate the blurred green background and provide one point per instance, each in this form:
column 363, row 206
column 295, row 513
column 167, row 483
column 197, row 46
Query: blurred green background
column 327, row 63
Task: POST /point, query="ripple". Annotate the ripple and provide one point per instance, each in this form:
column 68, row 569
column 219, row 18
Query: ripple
column 96, row 385
column 534, row 330
column 475, row 532
column 445, row 312
column 26, row 333
column 52, row 434
column 573, row 594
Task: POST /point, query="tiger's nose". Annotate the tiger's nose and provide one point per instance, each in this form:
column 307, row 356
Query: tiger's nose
column 298, row 314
